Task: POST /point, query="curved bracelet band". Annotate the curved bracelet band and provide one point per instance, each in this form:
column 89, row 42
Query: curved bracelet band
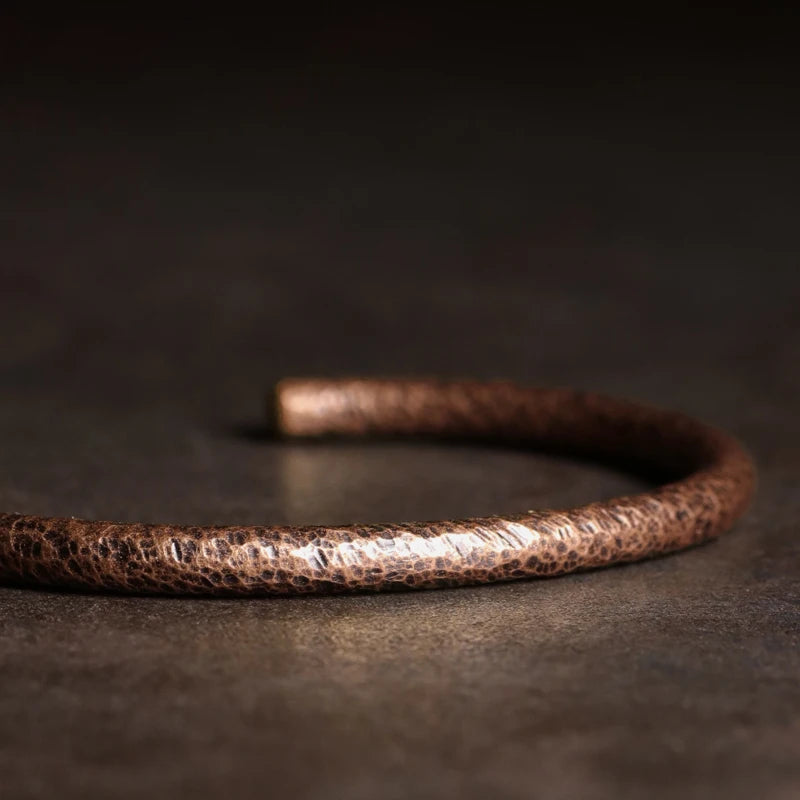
column 716, row 484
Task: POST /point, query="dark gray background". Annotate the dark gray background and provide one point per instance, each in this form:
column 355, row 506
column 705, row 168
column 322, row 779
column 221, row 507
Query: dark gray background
column 188, row 214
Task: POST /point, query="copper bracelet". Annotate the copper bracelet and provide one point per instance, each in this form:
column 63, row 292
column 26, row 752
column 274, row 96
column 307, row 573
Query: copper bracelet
column 713, row 480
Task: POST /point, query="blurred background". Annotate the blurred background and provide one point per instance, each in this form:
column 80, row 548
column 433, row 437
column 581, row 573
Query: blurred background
column 192, row 206
column 196, row 205
column 563, row 195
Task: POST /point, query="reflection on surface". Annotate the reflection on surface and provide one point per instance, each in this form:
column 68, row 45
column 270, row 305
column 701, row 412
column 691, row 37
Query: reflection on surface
column 356, row 637
column 338, row 482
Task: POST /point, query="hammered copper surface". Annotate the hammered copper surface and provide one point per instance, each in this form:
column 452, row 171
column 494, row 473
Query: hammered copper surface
column 238, row 560
column 175, row 239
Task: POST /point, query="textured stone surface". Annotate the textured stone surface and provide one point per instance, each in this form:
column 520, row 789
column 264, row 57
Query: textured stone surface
column 168, row 254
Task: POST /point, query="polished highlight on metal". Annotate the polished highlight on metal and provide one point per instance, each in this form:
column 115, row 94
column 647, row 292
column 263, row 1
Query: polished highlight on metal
column 711, row 486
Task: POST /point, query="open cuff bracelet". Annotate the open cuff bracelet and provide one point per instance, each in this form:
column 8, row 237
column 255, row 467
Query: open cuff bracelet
column 711, row 483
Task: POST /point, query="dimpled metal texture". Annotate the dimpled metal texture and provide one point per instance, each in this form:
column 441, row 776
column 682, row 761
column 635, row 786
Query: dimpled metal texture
column 712, row 480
